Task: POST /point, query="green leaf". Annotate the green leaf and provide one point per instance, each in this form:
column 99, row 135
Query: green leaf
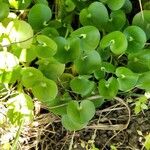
column 4, row 11
column 89, row 37
column 115, row 4
column 39, row 15
column 20, row 32
column 108, row 89
column 126, row 78
column 142, row 20
column 136, row 38
column 116, row 41
column 47, row 47
column 82, row 85
column 50, row 32
column 127, row 7
column 30, row 76
column 91, row 60
column 81, row 113
column 71, row 125
column 51, row 68
column 96, row 14
column 20, row 108
column 99, row 74
column 69, row 5
column 143, row 81
column 116, row 22
column 140, row 61
column 107, row 67
column 147, row 142
column 45, row 90
column 68, row 49
column 8, row 61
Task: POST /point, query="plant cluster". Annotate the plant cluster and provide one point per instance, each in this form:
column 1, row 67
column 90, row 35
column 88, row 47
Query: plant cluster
column 72, row 55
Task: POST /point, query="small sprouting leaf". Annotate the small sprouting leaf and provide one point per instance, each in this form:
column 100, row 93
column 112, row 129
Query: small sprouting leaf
column 115, row 4
column 45, row 90
column 116, row 22
column 136, row 38
column 147, row 142
column 4, row 11
column 19, row 4
column 142, row 20
column 107, row 67
column 96, row 14
column 51, row 68
column 89, row 37
column 38, row 15
column 81, row 85
column 69, row 5
column 68, row 49
column 91, row 60
column 81, row 113
column 8, row 61
column 108, row 89
column 71, row 125
column 116, row 41
column 99, row 74
column 21, row 32
column 47, row 47
column 140, row 61
column 126, row 78
column 30, row 75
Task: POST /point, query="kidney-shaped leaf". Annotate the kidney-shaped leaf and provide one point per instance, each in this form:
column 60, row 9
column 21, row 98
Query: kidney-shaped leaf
column 126, row 78
column 47, row 47
column 82, row 85
column 115, row 4
column 45, row 90
column 108, row 89
column 96, row 14
column 116, row 41
column 21, row 32
column 89, row 37
column 91, row 60
column 116, row 22
column 81, row 113
column 68, row 49
column 142, row 19
column 136, row 38
column 38, row 15
column 30, row 75
column 71, row 125
column 140, row 61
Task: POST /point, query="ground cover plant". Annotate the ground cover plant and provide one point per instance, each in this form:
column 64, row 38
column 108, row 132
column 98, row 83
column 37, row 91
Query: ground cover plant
column 74, row 57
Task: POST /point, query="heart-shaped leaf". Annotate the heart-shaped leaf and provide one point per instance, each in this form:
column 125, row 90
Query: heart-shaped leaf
column 47, row 47
column 21, row 32
column 38, row 15
column 4, row 11
column 107, row 67
column 30, row 75
column 96, row 14
column 71, row 125
column 91, row 60
column 116, row 22
column 115, row 4
column 68, row 49
column 142, row 20
column 51, row 68
column 82, row 85
column 126, row 78
column 140, row 61
column 45, row 90
column 136, row 38
column 108, row 89
column 116, row 41
column 81, row 113
column 89, row 37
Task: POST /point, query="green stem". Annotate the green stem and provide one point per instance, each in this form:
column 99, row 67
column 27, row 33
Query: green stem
column 14, row 145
